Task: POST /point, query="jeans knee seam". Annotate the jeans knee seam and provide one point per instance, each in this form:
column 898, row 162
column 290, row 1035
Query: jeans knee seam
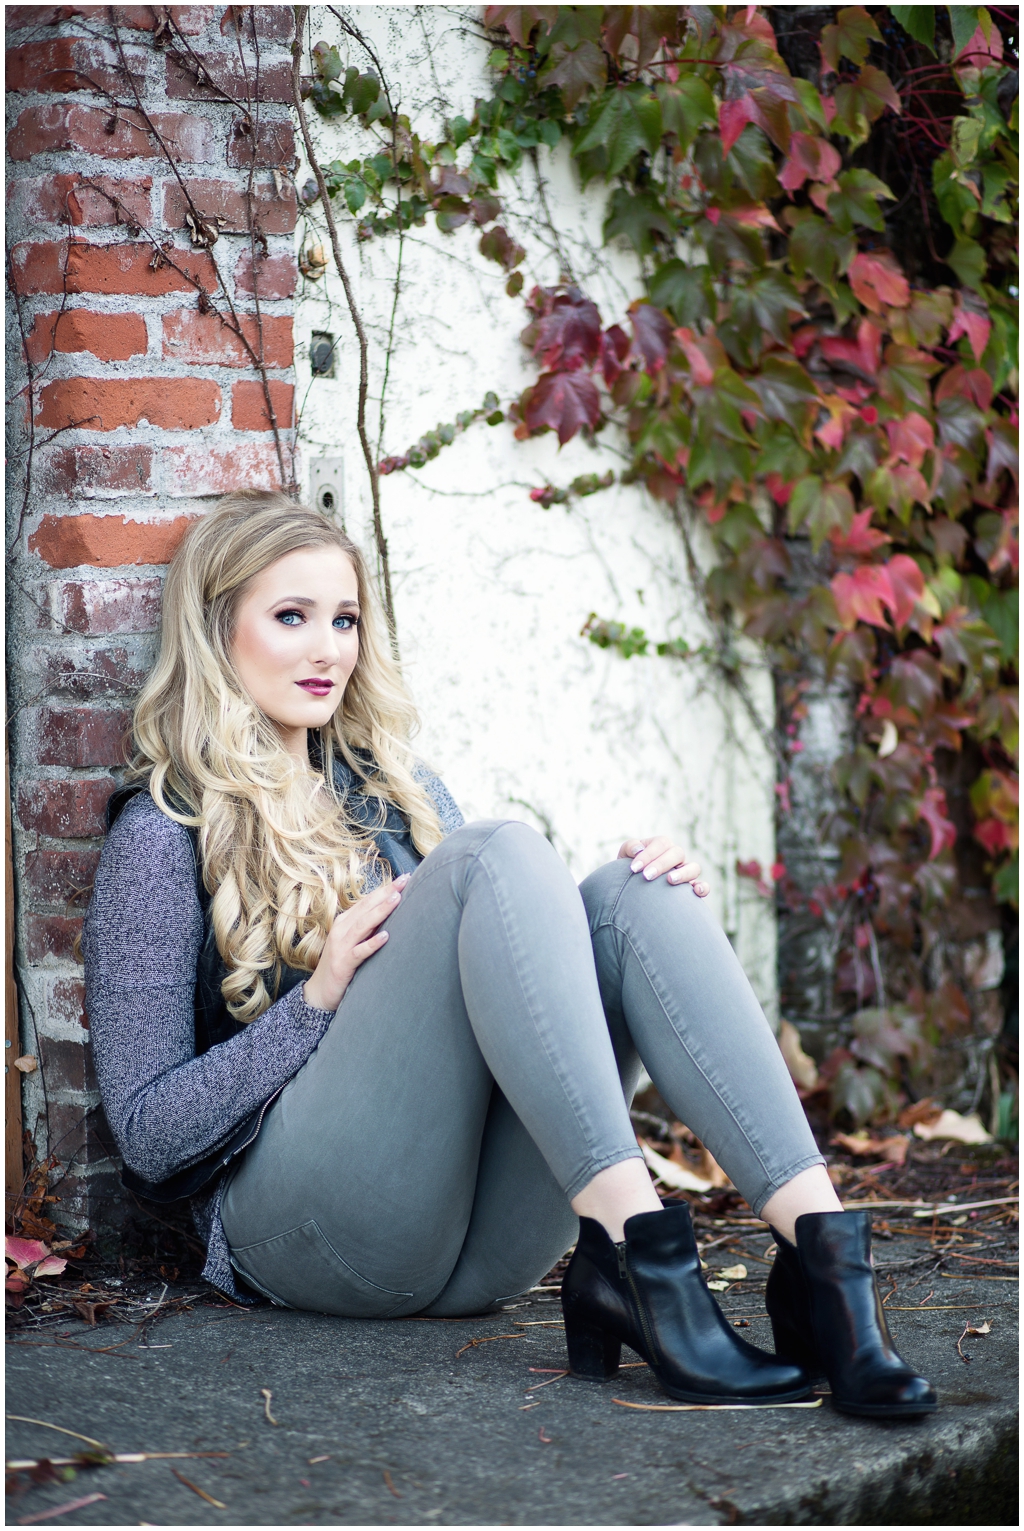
column 558, row 1072
column 729, row 1109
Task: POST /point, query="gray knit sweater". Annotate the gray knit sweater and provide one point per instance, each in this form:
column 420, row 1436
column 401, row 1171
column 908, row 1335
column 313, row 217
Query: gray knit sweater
column 143, row 935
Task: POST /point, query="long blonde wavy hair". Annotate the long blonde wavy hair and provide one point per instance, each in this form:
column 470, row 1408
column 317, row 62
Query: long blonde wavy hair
column 279, row 855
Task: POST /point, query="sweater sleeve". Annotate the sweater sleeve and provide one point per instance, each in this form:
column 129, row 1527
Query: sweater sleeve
column 143, row 934
column 448, row 810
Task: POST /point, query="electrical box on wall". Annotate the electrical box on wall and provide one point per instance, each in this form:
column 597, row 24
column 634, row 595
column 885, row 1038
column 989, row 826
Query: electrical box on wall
column 327, row 486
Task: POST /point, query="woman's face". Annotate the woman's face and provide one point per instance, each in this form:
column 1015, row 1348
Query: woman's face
column 296, row 640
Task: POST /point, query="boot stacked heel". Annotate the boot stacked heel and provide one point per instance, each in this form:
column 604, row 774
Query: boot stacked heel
column 826, row 1314
column 593, row 1352
column 648, row 1293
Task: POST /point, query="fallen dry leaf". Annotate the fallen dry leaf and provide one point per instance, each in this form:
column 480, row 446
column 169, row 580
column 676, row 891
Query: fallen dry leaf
column 985, row 1328
column 711, row 1170
column 719, row 1286
column 734, row 1273
column 950, row 1124
column 893, row 1149
column 921, row 1111
column 802, row 1068
column 672, row 1175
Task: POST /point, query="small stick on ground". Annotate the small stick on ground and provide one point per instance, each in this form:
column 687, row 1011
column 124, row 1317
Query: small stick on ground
column 486, row 1340
column 25, row 1420
column 390, row 1486
column 60, row 1509
column 967, row 1330
column 267, row 1396
column 217, row 1503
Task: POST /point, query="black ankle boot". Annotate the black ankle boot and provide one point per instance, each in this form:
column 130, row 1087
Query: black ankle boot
column 827, row 1317
column 648, row 1293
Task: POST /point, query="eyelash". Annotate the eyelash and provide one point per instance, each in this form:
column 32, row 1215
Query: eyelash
column 345, row 617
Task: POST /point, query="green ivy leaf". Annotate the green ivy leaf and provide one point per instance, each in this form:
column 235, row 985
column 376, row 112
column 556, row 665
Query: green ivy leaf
column 625, row 120
column 639, row 218
column 856, row 201
column 355, row 195
column 817, row 248
column 967, row 259
column 686, row 107
column 751, row 161
column 685, row 291
column 810, row 104
column 918, row 21
column 864, row 100
column 786, row 391
column 957, row 201
column 965, row 20
column 361, row 92
column 849, row 37
column 761, row 304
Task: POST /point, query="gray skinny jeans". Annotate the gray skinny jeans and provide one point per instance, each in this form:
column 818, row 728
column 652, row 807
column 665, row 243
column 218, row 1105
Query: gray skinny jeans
column 477, row 1074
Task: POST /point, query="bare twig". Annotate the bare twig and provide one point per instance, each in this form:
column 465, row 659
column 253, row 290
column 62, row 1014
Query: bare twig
column 301, row 13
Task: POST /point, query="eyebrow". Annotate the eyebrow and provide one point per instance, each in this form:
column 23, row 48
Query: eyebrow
column 305, row 600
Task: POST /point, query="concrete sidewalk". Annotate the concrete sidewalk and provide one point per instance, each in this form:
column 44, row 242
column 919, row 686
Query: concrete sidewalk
column 388, row 1424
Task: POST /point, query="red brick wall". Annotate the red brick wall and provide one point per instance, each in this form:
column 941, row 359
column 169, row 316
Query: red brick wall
column 135, row 403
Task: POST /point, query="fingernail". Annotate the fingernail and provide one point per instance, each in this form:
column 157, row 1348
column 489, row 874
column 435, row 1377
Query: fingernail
column 383, row 935
column 673, row 877
column 648, row 873
column 634, row 866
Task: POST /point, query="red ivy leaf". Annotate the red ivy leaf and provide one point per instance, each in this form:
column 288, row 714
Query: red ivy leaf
column 862, row 539
column 878, row 281
column 907, row 584
column 863, row 355
column 959, row 383
column 496, row 245
column 933, row 811
column 861, row 596
column 704, row 353
column 810, row 158
column 652, row 332
column 977, row 327
column 733, row 117
column 565, row 402
column 520, row 20
column 910, row 438
column 614, row 350
column 569, row 334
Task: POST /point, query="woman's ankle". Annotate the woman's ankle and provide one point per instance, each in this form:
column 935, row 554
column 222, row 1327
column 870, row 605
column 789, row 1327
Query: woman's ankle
column 616, row 1194
column 810, row 1191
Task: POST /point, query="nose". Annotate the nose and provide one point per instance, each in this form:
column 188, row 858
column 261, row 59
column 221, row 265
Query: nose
column 327, row 643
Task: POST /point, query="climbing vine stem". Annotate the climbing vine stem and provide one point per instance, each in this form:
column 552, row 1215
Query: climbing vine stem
column 380, row 541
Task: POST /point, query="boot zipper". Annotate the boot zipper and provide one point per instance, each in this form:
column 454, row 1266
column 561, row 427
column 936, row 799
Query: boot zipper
column 625, row 1274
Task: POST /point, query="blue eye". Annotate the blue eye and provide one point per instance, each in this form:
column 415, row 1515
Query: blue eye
column 345, row 623
column 290, row 618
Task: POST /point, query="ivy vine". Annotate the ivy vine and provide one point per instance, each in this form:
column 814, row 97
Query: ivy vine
column 820, row 373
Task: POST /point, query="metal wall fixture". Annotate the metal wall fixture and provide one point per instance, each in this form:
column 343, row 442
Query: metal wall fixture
column 321, row 353
column 327, row 487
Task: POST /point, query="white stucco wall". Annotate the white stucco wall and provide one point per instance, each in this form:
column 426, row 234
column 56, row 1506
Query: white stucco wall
column 522, row 716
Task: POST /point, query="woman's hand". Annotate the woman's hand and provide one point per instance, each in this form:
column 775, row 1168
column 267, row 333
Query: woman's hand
column 658, row 856
column 354, row 936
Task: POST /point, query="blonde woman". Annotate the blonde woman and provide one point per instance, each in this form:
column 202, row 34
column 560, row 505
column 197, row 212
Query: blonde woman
column 388, row 1054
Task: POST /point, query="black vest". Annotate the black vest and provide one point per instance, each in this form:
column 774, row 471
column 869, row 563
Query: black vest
column 214, row 1022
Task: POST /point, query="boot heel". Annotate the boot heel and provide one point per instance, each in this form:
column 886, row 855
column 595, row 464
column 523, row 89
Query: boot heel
column 593, row 1353
column 792, row 1346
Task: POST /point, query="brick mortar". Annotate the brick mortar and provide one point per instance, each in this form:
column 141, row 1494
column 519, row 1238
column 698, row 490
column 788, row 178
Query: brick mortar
column 92, row 616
